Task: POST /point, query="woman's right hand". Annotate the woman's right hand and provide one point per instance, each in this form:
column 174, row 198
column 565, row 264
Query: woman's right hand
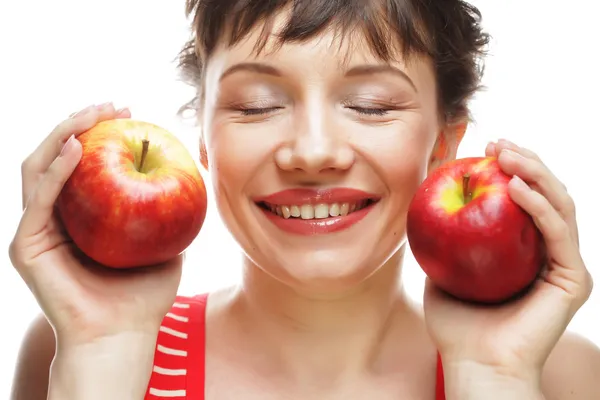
column 84, row 302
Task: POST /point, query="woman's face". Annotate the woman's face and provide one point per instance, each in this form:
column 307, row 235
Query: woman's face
column 315, row 150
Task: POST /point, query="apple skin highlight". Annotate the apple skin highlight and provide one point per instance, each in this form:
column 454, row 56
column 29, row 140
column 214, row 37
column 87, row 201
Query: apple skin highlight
column 469, row 237
column 124, row 216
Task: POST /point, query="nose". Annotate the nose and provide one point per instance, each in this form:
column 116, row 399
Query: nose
column 315, row 148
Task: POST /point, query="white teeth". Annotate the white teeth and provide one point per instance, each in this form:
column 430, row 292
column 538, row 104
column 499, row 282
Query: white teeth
column 295, row 211
column 307, row 212
column 344, row 209
column 319, row 211
column 322, row 211
column 334, row 210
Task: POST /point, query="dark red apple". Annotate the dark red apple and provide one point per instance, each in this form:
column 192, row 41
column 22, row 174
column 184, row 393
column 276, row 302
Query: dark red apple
column 468, row 235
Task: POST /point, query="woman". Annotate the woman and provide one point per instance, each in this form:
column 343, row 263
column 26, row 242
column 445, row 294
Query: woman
column 298, row 102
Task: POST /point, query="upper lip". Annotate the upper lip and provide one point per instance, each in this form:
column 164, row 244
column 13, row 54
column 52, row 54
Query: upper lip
column 316, row 196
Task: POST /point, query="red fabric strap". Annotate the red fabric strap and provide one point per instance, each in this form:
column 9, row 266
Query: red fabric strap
column 179, row 363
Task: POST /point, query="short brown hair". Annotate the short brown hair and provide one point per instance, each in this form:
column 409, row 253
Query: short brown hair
column 447, row 31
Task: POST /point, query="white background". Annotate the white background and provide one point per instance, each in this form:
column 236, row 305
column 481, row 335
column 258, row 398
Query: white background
column 59, row 56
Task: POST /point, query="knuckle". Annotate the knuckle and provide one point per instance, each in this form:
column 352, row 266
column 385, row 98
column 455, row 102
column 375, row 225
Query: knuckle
column 14, row 253
column 569, row 206
column 589, row 284
column 585, row 290
column 19, row 261
column 28, row 165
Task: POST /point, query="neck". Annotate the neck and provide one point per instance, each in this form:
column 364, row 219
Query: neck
column 323, row 337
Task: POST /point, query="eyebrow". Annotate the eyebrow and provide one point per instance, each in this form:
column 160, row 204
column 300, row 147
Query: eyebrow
column 251, row 67
column 380, row 69
column 358, row 70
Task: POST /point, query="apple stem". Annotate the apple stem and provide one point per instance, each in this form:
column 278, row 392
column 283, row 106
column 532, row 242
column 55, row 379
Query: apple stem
column 467, row 194
column 145, row 145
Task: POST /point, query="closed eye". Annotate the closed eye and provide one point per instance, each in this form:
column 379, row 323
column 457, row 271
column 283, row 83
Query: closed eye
column 258, row 111
column 369, row 111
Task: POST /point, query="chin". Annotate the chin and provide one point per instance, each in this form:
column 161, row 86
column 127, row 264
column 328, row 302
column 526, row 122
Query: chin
column 326, row 264
column 324, row 270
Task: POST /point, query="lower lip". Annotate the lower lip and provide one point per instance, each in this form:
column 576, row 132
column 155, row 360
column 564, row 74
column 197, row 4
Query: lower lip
column 309, row 227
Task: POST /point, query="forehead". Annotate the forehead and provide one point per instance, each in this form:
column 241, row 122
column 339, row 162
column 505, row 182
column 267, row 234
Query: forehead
column 329, row 52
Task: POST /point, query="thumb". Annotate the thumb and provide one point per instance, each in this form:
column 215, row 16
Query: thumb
column 40, row 206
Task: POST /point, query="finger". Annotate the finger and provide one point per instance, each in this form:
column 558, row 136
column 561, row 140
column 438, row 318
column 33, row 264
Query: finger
column 504, row 144
column 36, row 164
column 563, row 252
column 84, row 111
column 123, row 113
column 541, row 178
column 40, row 207
column 490, row 150
column 80, row 122
column 567, row 209
column 118, row 113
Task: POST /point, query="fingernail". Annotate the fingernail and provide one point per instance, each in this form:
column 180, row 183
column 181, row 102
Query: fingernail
column 83, row 112
column 508, row 143
column 104, row 106
column 68, row 143
column 519, row 183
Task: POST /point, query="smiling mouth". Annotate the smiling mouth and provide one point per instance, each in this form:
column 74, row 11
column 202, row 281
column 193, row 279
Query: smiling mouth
column 319, row 211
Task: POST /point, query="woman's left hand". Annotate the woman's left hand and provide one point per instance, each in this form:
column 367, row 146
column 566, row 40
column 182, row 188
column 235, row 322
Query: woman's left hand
column 514, row 340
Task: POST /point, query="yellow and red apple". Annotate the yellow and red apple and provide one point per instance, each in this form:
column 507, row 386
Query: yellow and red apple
column 468, row 235
column 136, row 198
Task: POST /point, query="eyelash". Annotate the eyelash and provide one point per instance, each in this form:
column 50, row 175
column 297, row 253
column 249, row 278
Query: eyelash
column 370, row 111
column 258, row 111
column 359, row 110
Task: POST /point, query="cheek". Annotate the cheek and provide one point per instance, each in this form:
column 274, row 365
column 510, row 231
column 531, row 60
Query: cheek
column 407, row 169
column 236, row 152
column 401, row 154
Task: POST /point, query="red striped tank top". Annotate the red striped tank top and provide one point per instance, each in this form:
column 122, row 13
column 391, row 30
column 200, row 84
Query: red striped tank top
column 178, row 371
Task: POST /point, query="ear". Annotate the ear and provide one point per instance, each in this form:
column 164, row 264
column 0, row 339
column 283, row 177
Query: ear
column 203, row 155
column 446, row 145
column 202, row 143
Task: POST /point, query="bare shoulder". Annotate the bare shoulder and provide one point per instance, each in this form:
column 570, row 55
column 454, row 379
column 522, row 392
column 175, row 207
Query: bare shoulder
column 30, row 380
column 572, row 371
